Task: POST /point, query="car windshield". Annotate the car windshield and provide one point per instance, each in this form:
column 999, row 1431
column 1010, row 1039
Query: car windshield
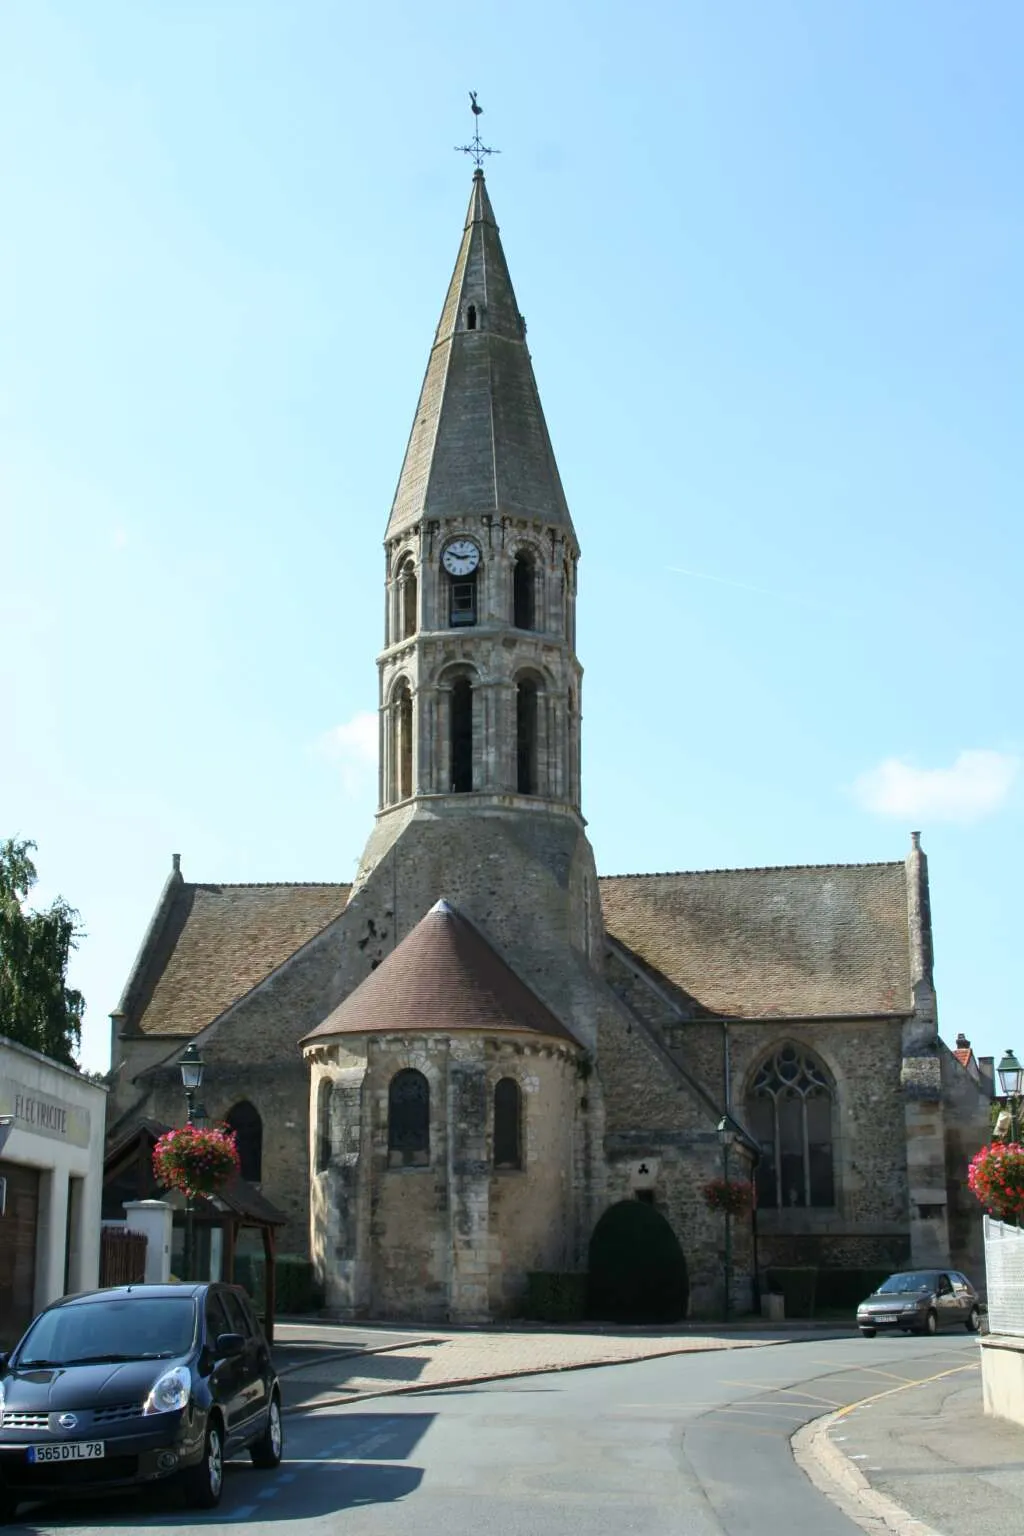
column 111, row 1329
column 903, row 1285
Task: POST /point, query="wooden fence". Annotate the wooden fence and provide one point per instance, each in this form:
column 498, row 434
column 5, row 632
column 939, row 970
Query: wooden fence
column 122, row 1256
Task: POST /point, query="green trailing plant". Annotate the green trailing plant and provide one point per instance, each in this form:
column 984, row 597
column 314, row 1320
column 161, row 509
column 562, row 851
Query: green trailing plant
column 194, row 1160
column 37, row 1007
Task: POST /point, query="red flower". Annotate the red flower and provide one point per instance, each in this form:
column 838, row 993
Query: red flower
column 996, row 1178
column 195, row 1161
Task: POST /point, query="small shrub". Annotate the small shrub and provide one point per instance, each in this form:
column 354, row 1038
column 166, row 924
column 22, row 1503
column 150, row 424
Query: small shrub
column 846, row 1288
column 297, row 1287
column 798, row 1286
column 555, row 1298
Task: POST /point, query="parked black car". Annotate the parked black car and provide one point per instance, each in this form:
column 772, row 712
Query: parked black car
column 921, row 1301
column 133, row 1384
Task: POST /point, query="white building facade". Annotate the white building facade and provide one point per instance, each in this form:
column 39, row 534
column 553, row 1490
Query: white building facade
column 52, row 1124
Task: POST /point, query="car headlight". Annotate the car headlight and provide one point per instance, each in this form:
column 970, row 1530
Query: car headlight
column 171, row 1390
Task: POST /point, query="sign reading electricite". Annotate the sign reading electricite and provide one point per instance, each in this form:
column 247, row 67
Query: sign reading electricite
column 44, row 1116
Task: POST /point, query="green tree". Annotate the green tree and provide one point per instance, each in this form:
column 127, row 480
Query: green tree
column 37, row 1007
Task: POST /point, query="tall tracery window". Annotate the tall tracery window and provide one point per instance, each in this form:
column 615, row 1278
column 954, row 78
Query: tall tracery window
column 526, row 736
column 408, row 1120
column 323, row 1124
column 789, row 1110
column 408, row 589
column 508, row 1124
column 524, row 591
column 244, row 1119
column 460, row 735
column 401, row 741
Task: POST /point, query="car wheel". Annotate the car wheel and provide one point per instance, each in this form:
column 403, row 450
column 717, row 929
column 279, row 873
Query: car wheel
column 868, row 1333
column 931, row 1324
column 974, row 1321
column 266, row 1451
column 204, row 1482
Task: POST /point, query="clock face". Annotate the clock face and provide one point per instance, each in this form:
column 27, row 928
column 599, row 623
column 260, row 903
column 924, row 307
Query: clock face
column 461, row 557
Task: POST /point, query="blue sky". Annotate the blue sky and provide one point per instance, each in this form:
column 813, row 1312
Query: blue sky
column 770, row 257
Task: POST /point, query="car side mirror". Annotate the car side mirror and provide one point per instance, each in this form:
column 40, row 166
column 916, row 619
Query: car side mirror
column 229, row 1345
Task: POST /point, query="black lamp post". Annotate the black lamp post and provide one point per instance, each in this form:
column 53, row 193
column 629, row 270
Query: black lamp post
column 192, row 1067
column 1011, row 1081
column 726, row 1137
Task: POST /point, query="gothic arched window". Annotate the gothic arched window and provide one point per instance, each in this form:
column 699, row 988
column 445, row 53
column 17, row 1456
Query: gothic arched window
column 508, row 1124
column 460, row 735
column 323, row 1124
column 526, row 736
column 400, row 746
column 408, row 589
column 524, row 591
column 408, row 1119
column 244, row 1119
column 789, row 1111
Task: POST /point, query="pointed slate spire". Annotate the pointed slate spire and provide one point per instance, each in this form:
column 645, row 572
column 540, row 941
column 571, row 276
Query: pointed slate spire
column 479, row 444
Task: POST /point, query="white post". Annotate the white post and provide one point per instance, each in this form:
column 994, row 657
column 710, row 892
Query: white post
column 154, row 1218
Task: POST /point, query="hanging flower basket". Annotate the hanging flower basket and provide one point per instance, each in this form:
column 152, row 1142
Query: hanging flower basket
column 195, row 1161
column 996, row 1179
column 730, row 1196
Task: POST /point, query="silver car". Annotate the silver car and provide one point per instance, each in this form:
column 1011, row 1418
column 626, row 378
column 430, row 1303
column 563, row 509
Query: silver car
column 921, row 1301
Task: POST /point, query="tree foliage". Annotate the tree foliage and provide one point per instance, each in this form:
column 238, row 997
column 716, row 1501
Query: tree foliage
column 37, row 1007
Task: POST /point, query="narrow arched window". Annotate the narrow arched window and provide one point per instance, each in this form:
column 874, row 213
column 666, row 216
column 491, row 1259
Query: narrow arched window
column 524, row 599
column 407, row 601
column 526, row 736
column 244, row 1119
column 789, row 1110
column 508, row 1124
column 461, row 736
column 471, row 318
column 401, row 742
column 323, row 1124
column 408, row 1119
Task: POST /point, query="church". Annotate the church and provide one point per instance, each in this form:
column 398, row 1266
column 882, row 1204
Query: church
column 464, row 1067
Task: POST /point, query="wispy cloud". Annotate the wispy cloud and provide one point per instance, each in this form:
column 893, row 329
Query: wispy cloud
column 976, row 785
column 776, row 596
column 353, row 746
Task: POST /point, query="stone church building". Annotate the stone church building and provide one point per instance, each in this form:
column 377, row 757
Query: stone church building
column 447, row 1074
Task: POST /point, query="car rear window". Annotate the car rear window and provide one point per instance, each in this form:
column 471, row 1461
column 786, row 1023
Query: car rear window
column 110, row 1329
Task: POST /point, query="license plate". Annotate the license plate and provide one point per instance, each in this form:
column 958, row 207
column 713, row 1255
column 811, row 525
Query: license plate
column 884, row 1317
column 68, row 1450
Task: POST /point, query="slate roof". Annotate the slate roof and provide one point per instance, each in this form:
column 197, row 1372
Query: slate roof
column 798, row 942
column 443, row 976
column 214, row 943
column 479, row 442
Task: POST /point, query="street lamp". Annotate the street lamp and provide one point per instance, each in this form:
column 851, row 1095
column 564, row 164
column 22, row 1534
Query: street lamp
column 726, row 1137
column 192, row 1066
column 1011, row 1081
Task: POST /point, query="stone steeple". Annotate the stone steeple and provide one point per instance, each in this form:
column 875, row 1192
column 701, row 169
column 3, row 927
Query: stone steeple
column 479, row 681
column 479, row 442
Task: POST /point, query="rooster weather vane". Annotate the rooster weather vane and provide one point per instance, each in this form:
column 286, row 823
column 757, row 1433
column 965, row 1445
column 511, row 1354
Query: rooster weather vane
column 476, row 147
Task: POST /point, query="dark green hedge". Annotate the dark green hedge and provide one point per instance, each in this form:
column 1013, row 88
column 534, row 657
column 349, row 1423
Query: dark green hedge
column 297, row 1287
column 809, row 1290
column 798, row 1286
column 555, row 1298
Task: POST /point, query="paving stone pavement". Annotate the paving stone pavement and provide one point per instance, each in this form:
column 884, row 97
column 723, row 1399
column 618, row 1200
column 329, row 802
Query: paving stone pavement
column 353, row 1364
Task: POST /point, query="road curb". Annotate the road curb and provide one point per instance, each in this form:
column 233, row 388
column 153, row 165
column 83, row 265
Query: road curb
column 407, row 1389
column 832, row 1471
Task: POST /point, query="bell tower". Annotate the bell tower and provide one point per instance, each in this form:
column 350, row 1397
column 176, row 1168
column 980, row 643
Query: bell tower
column 479, row 680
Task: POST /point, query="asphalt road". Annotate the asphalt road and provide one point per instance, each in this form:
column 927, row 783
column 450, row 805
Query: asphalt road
column 692, row 1445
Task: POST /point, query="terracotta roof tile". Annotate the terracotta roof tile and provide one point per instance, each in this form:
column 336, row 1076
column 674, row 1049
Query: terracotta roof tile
column 443, row 976
column 216, row 943
column 794, row 941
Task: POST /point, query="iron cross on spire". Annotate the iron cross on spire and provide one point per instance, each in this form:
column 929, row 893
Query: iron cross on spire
column 476, row 147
